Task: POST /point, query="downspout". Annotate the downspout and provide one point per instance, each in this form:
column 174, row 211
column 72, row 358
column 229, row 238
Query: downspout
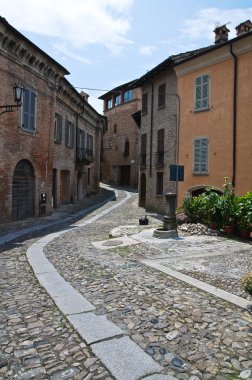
column 151, row 129
column 234, row 114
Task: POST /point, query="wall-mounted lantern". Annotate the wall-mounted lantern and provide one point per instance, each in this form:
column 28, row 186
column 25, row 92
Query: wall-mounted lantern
column 17, row 93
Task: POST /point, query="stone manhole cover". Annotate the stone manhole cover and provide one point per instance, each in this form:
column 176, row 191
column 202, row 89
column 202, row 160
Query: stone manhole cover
column 111, row 243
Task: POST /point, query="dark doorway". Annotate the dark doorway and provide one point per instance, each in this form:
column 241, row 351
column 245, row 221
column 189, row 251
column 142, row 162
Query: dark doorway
column 125, row 175
column 23, row 191
column 142, row 192
column 64, row 187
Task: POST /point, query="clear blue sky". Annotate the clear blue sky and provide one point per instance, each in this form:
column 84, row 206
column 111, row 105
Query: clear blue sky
column 105, row 43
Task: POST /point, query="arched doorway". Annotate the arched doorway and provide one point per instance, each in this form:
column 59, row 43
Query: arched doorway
column 142, row 192
column 23, row 191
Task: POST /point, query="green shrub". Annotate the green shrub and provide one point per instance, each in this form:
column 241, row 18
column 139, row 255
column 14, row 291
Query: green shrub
column 246, row 282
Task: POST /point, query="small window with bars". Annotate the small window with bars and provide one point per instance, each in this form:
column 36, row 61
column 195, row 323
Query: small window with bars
column 200, row 156
column 202, row 93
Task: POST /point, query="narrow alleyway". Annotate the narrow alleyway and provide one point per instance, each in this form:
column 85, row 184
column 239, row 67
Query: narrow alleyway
column 190, row 333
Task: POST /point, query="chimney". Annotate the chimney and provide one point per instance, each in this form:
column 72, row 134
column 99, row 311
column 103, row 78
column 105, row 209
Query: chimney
column 84, row 95
column 221, row 34
column 243, row 28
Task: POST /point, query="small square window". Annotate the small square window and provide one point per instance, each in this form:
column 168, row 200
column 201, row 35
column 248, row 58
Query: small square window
column 127, row 96
column 109, row 103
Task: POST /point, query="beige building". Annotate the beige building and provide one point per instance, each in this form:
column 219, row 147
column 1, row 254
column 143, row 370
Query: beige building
column 120, row 159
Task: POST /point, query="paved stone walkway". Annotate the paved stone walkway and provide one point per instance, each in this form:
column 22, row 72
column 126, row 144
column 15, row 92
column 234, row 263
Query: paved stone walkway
column 191, row 334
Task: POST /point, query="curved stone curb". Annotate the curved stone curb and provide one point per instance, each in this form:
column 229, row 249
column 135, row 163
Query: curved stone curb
column 14, row 235
column 123, row 358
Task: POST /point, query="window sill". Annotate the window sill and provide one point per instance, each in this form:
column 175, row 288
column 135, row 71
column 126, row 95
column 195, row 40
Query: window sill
column 57, row 142
column 144, row 113
column 159, row 195
column 200, row 174
column 28, row 131
column 202, row 110
column 161, row 107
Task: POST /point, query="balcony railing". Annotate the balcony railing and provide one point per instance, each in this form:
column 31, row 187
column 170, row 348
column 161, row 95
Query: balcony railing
column 159, row 159
column 84, row 155
column 143, row 160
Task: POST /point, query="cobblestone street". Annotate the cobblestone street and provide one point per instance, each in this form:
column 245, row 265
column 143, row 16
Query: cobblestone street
column 190, row 333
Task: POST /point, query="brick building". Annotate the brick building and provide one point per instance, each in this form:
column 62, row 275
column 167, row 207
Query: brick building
column 38, row 141
column 120, row 162
column 159, row 130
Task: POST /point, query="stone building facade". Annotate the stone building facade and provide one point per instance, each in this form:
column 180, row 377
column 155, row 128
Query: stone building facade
column 29, row 155
column 120, row 161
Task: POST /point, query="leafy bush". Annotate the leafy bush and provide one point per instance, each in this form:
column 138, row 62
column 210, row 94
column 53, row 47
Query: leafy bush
column 225, row 210
column 243, row 212
column 246, row 282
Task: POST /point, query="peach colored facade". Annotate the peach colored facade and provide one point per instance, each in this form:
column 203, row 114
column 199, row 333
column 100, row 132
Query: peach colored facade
column 216, row 124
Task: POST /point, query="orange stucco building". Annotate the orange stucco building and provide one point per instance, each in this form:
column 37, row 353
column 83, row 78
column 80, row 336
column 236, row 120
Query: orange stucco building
column 215, row 116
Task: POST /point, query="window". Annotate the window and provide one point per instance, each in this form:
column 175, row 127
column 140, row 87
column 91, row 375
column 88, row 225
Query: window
column 115, row 128
column 69, row 134
column 202, row 93
column 109, row 104
column 200, row 156
column 58, row 128
column 160, row 148
column 126, row 148
column 90, row 142
column 88, row 176
column 143, row 150
column 127, row 96
column 118, row 100
column 80, row 151
column 80, row 138
column 161, row 95
column 29, row 110
column 145, row 103
column 159, row 183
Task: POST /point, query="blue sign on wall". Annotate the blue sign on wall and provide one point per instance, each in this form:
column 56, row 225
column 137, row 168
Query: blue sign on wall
column 176, row 173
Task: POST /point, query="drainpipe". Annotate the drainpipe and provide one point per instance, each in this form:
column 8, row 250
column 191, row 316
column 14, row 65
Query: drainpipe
column 234, row 114
column 151, row 129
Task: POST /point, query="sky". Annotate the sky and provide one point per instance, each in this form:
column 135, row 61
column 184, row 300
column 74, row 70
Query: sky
column 105, row 43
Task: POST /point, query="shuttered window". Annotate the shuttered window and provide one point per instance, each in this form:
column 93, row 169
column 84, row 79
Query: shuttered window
column 80, row 138
column 200, row 156
column 69, row 134
column 29, row 110
column 90, row 140
column 58, row 128
column 161, row 95
column 202, row 93
column 145, row 103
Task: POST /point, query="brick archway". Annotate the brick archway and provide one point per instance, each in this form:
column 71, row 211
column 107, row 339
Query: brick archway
column 23, row 191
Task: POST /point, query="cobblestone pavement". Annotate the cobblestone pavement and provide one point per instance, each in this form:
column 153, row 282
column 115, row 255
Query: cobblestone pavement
column 192, row 334
column 36, row 340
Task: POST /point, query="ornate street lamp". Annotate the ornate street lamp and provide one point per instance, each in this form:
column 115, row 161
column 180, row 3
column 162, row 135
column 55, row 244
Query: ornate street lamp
column 17, row 93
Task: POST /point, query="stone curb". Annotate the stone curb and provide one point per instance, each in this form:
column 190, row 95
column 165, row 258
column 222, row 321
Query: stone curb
column 123, row 357
column 236, row 300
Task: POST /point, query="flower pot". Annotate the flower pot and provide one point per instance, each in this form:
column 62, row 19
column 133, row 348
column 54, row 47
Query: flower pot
column 244, row 234
column 228, row 229
column 213, row 226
